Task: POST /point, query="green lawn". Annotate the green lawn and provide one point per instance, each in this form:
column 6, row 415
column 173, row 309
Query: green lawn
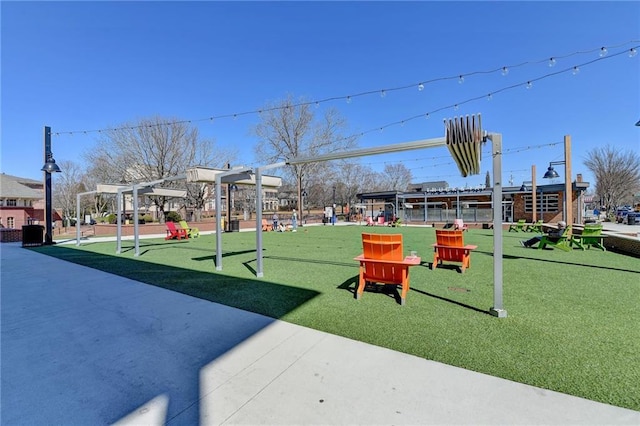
column 573, row 318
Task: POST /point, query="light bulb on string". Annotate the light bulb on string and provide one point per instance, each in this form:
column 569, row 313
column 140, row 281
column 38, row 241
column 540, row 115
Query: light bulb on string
column 348, row 99
column 455, row 107
column 383, row 93
column 461, row 79
column 633, row 52
column 426, row 116
column 420, row 87
column 529, row 85
column 489, row 96
column 552, row 61
column 576, row 70
column 505, row 70
column 603, row 52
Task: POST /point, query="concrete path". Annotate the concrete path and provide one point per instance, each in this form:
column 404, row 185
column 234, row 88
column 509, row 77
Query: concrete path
column 84, row 347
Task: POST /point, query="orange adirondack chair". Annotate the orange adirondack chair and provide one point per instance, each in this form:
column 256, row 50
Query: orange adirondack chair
column 450, row 247
column 175, row 233
column 382, row 261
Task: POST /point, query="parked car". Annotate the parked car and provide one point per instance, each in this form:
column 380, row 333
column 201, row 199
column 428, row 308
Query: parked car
column 621, row 213
column 631, row 218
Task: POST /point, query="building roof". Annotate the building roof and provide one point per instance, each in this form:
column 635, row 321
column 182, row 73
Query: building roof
column 17, row 187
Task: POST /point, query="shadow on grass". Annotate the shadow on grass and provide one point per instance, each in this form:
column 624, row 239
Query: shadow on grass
column 511, row 257
column 259, row 296
column 318, row 261
column 224, row 254
column 391, row 290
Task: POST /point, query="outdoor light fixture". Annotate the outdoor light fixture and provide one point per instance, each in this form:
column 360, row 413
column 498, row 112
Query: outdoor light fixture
column 50, row 166
column 524, row 185
column 551, row 173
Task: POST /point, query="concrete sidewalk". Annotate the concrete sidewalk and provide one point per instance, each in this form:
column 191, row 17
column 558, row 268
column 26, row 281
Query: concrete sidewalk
column 84, row 347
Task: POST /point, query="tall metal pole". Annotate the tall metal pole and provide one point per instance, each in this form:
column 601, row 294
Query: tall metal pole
column 567, row 181
column 497, row 309
column 533, row 194
column 48, row 209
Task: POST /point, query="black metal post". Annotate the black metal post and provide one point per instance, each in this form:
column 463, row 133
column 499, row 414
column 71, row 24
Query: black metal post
column 333, row 216
column 48, row 214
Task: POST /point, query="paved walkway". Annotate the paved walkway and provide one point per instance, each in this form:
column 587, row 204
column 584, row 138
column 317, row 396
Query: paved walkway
column 84, row 347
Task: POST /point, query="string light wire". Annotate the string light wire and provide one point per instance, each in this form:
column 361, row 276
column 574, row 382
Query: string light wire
column 419, row 85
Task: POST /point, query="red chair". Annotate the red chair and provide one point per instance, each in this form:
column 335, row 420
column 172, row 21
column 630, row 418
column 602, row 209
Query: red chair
column 450, row 247
column 175, row 233
column 382, row 261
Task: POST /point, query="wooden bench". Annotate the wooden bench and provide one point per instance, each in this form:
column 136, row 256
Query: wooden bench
column 382, row 261
column 450, row 247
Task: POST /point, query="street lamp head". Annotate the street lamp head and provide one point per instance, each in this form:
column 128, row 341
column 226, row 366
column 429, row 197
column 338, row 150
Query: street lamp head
column 50, row 166
column 551, row 174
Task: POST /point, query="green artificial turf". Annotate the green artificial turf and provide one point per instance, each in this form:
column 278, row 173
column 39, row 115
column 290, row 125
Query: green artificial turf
column 572, row 325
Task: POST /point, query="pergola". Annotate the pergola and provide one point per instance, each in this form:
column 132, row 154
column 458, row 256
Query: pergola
column 144, row 188
column 463, row 137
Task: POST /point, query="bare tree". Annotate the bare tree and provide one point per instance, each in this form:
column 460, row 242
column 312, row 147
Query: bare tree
column 617, row 174
column 288, row 130
column 68, row 184
column 152, row 149
column 396, row 177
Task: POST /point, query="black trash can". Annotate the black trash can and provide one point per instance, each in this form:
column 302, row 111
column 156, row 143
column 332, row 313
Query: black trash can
column 234, row 225
column 632, row 218
column 32, row 235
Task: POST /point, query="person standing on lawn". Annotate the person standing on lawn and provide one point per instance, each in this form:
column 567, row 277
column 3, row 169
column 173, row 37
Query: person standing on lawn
column 553, row 235
column 294, row 221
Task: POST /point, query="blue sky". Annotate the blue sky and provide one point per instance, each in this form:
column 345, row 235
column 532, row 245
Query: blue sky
column 83, row 66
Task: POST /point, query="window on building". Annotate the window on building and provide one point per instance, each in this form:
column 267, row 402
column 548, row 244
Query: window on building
column 12, row 203
column 549, row 203
column 11, row 222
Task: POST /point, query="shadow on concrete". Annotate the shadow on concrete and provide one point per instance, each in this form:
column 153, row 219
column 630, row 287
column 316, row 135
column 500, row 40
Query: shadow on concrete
column 103, row 347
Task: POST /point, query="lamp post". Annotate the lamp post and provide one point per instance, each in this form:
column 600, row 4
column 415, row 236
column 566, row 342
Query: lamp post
column 304, row 194
column 552, row 174
column 532, row 182
column 49, row 167
column 230, row 188
column 333, row 212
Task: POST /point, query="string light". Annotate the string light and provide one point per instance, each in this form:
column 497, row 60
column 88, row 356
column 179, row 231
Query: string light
column 552, row 61
column 489, row 96
column 383, row 93
column 604, row 53
column 529, row 85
